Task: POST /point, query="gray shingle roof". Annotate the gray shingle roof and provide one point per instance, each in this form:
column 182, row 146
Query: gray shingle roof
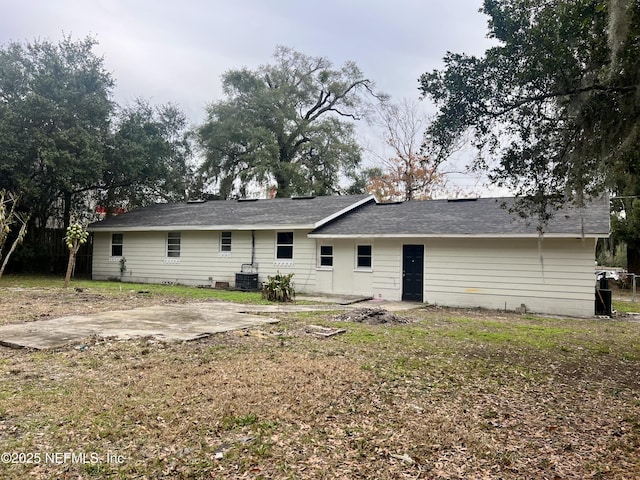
column 231, row 213
column 483, row 216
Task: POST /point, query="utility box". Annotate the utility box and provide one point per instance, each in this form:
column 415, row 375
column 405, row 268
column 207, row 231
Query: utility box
column 247, row 278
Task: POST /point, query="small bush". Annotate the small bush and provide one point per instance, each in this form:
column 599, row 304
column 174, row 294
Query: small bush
column 279, row 288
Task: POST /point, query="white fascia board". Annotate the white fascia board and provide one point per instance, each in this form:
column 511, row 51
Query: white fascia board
column 190, row 228
column 444, row 235
column 340, row 213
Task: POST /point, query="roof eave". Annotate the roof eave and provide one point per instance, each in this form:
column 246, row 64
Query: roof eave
column 458, row 235
column 185, row 228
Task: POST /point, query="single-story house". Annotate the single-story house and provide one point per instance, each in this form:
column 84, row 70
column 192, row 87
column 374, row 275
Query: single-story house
column 469, row 253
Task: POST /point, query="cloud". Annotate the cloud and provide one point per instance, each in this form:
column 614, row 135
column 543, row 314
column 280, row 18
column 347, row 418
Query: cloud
column 177, row 51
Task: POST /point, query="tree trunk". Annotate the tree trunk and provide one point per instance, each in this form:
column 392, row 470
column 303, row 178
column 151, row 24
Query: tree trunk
column 67, row 210
column 19, row 239
column 6, row 259
column 283, row 186
column 72, row 261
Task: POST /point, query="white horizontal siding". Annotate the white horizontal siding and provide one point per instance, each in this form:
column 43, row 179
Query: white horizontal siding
column 387, row 274
column 553, row 277
column 302, row 266
column 102, row 268
column 343, row 278
column 201, row 261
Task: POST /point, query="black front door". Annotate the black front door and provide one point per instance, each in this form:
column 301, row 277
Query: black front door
column 412, row 272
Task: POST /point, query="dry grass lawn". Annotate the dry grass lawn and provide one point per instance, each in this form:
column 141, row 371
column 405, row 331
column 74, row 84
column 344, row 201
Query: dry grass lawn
column 452, row 394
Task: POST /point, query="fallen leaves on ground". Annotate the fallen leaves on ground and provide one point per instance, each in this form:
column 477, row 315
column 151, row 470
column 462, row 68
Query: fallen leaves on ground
column 453, row 394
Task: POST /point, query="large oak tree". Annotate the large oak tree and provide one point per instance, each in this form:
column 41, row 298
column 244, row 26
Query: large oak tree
column 287, row 124
column 55, row 107
column 65, row 146
column 555, row 103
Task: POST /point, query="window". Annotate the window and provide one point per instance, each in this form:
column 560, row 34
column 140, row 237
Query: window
column 116, row 244
column 284, row 246
column 364, row 256
column 225, row 241
column 173, row 244
column 326, row 255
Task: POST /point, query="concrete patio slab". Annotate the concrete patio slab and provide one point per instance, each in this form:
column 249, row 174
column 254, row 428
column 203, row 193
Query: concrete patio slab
column 166, row 322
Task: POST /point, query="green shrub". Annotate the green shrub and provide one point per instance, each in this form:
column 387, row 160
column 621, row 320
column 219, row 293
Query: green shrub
column 279, row 288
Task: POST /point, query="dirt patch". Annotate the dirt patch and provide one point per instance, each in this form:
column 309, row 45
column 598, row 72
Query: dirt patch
column 29, row 304
column 370, row 316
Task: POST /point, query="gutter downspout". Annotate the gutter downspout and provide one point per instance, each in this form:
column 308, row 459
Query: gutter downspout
column 253, row 248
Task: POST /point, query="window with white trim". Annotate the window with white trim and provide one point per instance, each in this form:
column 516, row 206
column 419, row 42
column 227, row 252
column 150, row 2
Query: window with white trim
column 117, row 242
column 284, row 246
column 173, row 244
column 326, row 255
column 225, row 242
column 363, row 257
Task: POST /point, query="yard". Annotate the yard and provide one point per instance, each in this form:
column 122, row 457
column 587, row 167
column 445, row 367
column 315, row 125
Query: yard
column 441, row 394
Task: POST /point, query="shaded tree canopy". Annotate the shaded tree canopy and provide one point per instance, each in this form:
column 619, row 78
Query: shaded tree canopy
column 64, row 141
column 66, row 147
column 287, row 124
column 555, row 101
column 146, row 157
column 55, row 106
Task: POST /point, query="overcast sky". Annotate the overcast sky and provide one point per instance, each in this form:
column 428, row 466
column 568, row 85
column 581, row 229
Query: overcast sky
column 176, row 51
